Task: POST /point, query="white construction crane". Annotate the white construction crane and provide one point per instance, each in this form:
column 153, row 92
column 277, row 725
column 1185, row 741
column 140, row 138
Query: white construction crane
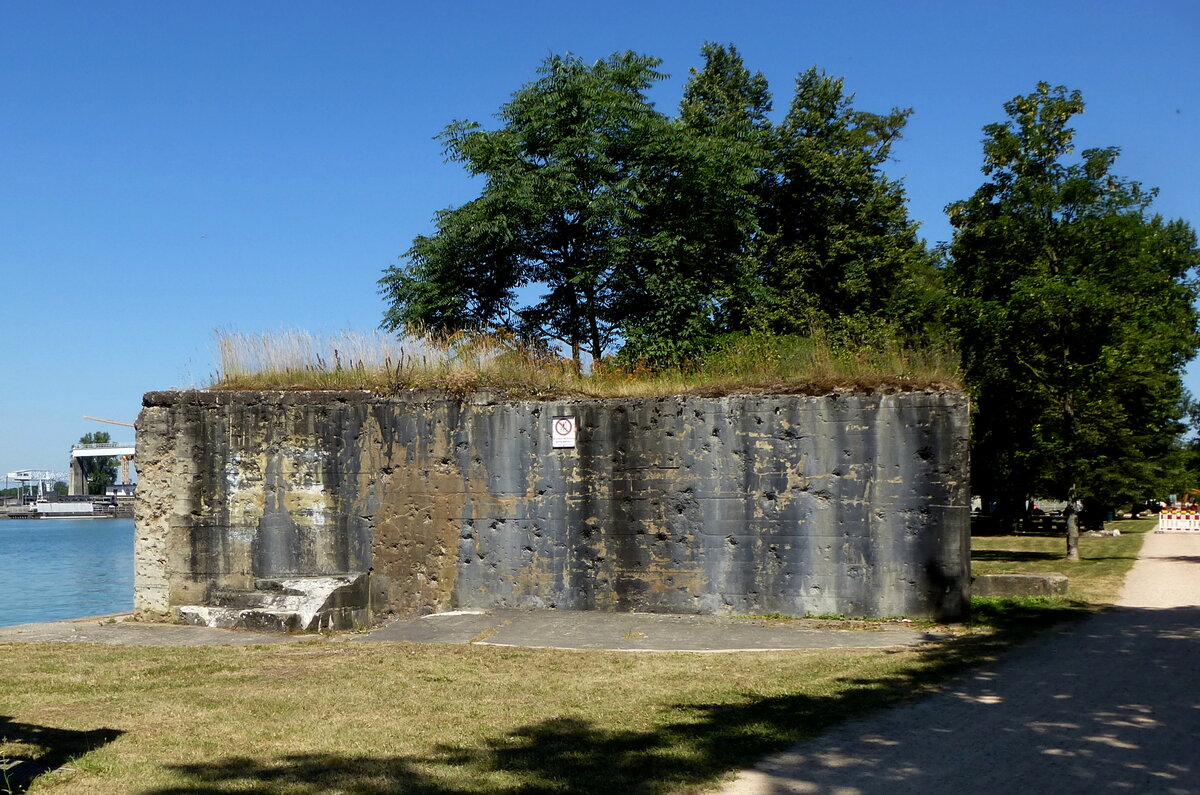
column 44, row 478
column 110, row 422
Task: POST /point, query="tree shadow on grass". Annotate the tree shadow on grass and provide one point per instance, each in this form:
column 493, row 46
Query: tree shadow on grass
column 701, row 741
column 33, row 750
column 1012, row 555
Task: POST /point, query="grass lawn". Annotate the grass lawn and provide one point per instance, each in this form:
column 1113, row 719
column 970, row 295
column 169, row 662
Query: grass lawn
column 325, row 716
column 372, row 718
column 1095, row 580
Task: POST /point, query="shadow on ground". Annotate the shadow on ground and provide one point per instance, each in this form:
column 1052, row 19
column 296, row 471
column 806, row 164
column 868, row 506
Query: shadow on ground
column 562, row 755
column 1007, row 554
column 1182, row 558
column 31, row 750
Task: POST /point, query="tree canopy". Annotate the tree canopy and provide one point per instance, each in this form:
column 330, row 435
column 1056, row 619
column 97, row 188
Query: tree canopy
column 560, row 196
column 605, row 225
column 1075, row 314
column 99, row 471
column 838, row 250
column 655, row 235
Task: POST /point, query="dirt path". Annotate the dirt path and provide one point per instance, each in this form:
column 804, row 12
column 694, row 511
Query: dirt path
column 1110, row 704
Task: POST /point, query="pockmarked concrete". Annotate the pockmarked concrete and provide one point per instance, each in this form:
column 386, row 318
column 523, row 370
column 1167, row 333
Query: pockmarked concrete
column 1110, row 704
column 839, row 504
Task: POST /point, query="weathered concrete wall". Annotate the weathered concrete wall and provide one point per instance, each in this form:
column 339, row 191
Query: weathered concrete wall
column 851, row 504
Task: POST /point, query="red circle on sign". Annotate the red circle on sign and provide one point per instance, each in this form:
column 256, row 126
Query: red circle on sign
column 562, row 427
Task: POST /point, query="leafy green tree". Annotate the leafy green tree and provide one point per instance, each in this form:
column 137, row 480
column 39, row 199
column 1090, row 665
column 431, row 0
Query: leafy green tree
column 558, row 196
column 99, row 471
column 837, row 249
column 724, row 98
column 1075, row 310
column 692, row 239
column 630, row 224
column 658, row 235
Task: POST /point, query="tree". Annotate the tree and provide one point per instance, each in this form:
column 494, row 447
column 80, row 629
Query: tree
column 560, row 190
column 627, row 222
column 99, row 471
column 1074, row 307
column 837, row 249
column 693, row 237
column 658, row 235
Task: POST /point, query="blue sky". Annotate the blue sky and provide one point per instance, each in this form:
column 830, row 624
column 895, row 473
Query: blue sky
column 170, row 169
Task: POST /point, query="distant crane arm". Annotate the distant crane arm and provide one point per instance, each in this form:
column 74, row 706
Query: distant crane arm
column 110, row 422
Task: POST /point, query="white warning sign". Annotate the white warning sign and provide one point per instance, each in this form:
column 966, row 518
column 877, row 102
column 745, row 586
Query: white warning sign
column 562, row 433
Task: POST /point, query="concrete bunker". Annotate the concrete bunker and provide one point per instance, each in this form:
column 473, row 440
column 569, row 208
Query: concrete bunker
column 310, row 509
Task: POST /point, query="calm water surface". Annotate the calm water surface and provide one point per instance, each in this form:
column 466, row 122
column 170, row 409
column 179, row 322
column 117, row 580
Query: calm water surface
column 52, row 569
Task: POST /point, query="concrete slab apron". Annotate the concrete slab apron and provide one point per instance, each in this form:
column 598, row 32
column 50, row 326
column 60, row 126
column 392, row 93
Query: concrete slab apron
column 579, row 629
column 116, row 630
column 1110, row 704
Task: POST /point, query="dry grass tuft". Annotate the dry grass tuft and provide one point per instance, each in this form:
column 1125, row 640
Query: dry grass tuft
column 462, row 363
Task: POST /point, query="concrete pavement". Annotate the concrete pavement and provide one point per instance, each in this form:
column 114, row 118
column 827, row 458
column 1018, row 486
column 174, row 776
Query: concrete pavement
column 1109, row 704
column 120, row 630
column 577, row 629
column 564, row 629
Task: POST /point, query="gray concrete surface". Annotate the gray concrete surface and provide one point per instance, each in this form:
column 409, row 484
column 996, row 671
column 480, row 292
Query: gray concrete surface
column 565, row 629
column 585, row 629
column 850, row 503
column 1111, row 704
column 120, row 631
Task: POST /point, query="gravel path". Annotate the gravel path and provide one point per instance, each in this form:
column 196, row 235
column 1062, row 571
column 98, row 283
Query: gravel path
column 1110, row 704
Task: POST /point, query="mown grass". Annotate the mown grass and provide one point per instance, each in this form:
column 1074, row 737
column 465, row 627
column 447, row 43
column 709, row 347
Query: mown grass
column 331, row 716
column 463, row 363
column 1095, row 580
column 364, row 718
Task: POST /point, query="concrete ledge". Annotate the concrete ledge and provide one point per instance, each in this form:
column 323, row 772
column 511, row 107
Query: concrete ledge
column 1019, row 585
column 295, row 604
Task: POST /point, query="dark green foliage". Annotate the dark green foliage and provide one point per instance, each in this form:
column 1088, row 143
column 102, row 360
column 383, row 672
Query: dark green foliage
column 1074, row 306
column 724, row 98
column 100, row 472
column 837, row 249
column 557, row 201
column 694, row 235
column 660, row 235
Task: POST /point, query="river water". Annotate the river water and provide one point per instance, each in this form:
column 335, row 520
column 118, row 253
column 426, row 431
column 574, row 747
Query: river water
column 52, row 569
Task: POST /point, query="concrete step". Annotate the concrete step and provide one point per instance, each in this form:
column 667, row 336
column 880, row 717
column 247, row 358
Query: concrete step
column 292, row 604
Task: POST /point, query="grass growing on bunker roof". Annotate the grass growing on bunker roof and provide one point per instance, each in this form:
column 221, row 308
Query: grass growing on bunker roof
column 462, row 363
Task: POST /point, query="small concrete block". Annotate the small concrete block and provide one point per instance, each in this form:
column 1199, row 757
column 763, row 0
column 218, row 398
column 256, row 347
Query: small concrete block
column 1007, row 585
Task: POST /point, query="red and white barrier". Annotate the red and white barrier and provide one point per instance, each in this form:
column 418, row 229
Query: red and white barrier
column 1179, row 520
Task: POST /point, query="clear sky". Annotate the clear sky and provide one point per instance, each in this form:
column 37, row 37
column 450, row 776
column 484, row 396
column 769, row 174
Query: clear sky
column 170, row 169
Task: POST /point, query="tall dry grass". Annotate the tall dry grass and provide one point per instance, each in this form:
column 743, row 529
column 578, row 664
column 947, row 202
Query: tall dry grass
column 463, row 362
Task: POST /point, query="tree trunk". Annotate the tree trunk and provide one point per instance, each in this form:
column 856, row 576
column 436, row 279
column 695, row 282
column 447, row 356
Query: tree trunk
column 1072, row 513
column 1072, row 473
column 576, row 359
column 593, row 323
